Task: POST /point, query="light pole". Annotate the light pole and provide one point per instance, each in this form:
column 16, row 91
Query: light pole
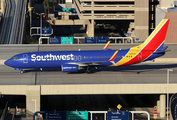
column 30, row 11
column 168, row 70
column 35, row 106
column 41, row 23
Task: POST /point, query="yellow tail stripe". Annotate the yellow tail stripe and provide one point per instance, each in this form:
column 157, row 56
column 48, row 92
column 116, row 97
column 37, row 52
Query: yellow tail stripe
column 138, row 48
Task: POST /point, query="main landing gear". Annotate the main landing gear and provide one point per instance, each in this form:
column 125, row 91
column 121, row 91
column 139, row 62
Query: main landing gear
column 88, row 71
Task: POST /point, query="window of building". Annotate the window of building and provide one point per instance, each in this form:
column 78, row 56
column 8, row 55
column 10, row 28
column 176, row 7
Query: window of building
column 61, row 1
column 38, row 1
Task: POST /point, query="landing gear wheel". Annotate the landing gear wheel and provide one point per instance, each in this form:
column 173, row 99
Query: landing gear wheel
column 88, row 71
column 22, row 71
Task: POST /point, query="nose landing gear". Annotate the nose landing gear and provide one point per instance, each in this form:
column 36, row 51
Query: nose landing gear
column 22, row 71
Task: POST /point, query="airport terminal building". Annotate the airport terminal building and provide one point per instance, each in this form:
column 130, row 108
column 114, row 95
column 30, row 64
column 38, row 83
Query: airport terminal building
column 135, row 17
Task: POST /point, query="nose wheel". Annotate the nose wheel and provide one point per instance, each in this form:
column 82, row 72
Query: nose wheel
column 22, row 71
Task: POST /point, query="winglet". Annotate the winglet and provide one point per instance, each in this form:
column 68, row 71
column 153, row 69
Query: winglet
column 107, row 45
column 113, row 57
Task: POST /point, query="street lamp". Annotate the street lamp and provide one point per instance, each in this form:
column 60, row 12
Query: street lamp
column 168, row 70
column 35, row 106
column 30, row 11
column 41, row 23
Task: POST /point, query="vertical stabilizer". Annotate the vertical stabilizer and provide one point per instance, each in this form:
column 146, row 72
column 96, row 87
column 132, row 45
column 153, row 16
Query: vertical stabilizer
column 157, row 37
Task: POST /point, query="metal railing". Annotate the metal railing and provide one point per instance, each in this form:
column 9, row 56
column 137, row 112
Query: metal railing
column 133, row 112
column 39, row 31
column 123, row 39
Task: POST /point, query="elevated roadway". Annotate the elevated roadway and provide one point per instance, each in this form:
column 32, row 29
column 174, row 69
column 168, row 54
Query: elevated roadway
column 18, row 22
column 13, row 22
column 7, row 21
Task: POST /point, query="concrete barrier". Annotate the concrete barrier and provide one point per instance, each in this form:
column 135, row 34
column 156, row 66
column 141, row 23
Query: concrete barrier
column 165, row 60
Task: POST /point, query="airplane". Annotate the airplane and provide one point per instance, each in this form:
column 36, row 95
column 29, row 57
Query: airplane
column 73, row 61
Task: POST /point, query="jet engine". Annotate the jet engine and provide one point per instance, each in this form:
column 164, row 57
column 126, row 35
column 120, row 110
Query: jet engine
column 69, row 68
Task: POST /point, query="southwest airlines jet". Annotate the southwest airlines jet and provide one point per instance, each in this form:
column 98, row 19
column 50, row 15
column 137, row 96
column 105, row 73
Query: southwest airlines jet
column 73, row 61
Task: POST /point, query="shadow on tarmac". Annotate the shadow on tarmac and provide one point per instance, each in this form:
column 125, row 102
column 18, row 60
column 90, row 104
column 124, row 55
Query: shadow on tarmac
column 131, row 68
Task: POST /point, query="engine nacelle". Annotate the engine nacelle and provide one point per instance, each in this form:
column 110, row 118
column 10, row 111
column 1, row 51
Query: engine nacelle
column 70, row 68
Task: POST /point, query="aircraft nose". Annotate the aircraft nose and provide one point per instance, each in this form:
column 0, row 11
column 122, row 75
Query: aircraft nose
column 7, row 62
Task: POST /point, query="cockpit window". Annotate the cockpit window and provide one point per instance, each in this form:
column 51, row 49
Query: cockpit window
column 14, row 58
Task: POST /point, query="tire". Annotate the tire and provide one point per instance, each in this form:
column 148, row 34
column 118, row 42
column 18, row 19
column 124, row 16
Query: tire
column 22, row 71
column 88, row 71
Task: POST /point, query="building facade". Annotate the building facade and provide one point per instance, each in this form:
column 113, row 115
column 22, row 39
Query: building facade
column 168, row 9
column 136, row 17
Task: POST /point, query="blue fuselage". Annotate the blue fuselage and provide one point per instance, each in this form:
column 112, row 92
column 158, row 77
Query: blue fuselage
column 57, row 58
column 81, row 58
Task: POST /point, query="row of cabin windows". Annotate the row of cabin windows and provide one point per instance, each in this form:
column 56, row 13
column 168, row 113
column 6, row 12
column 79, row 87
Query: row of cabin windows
column 103, row 57
column 14, row 58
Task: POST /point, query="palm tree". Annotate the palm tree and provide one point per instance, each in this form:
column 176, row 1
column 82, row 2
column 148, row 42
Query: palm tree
column 48, row 8
column 54, row 1
column 47, row 1
column 44, row 3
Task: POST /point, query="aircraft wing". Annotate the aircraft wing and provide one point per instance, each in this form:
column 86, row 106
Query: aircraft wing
column 87, row 63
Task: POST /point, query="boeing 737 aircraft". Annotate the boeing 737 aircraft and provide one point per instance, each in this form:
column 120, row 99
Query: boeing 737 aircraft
column 73, row 61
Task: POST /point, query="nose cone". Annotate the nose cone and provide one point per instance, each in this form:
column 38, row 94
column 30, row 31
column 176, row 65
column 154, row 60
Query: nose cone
column 7, row 62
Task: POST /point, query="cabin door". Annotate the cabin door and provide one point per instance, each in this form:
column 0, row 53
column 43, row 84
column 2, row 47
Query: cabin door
column 25, row 58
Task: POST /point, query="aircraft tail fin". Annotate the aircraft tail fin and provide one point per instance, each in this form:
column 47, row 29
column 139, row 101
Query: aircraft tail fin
column 157, row 38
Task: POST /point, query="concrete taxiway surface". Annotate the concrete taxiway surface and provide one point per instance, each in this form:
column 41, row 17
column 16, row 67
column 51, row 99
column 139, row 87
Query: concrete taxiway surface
column 146, row 73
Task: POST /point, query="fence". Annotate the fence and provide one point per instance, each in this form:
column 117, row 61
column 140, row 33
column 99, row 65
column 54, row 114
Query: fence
column 84, row 40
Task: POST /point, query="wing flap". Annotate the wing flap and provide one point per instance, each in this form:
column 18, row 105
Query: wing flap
column 88, row 63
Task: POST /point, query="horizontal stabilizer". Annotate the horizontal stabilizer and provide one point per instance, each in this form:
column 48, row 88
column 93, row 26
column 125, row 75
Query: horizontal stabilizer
column 160, row 52
column 165, row 47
